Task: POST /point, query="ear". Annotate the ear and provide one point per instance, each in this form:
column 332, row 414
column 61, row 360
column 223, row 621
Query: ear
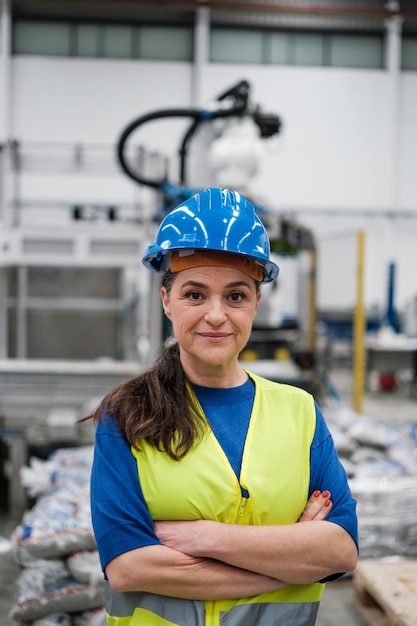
column 165, row 302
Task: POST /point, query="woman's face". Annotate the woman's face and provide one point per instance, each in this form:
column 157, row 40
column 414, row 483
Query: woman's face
column 212, row 311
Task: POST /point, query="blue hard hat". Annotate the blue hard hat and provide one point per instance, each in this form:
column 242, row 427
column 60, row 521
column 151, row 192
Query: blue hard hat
column 213, row 219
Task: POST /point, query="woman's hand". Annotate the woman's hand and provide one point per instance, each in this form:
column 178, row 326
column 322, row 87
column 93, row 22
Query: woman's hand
column 317, row 508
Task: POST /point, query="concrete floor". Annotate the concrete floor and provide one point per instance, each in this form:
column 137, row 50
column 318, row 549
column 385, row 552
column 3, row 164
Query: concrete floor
column 338, row 604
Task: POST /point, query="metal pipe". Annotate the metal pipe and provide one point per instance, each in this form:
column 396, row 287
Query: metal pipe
column 4, row 313
column 21, row 313
column 349, row 11
column 5, row 39
column 5, row 107
column 306, row 8
column 359, row 328
column 312, row 304
column 201, row 53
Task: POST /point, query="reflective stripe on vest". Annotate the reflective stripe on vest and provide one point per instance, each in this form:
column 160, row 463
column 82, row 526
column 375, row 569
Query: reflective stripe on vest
column 140, row 609
column 137, row 609
column 275, row 472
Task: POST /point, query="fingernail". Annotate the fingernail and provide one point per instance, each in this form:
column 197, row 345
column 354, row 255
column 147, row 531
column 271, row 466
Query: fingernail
column 327, row 503
column 325, row 494
column 316, row 494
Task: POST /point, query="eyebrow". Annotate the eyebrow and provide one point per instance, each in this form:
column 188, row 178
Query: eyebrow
column 237, row 283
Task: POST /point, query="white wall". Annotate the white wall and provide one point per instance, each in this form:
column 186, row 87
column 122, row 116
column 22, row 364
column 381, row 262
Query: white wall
column 331, row 150
column 91, row 101
column 335, row 151
column 407, row 156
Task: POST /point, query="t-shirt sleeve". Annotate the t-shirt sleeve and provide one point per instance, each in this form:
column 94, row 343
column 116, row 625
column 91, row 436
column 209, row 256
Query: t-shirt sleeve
column 121, row 520
column 327, row 472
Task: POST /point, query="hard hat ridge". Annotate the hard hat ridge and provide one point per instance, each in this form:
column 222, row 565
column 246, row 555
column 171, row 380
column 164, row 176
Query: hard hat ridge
column 214, row 219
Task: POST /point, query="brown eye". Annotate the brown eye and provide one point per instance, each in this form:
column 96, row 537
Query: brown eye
column 193, row 295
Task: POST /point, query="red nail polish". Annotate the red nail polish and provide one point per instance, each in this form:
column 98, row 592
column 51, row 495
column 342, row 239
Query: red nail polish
column 325, row 494
column 316, row 494
column 327, row 503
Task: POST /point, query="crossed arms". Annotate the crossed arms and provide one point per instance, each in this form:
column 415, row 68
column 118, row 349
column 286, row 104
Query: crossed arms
column 207, row 560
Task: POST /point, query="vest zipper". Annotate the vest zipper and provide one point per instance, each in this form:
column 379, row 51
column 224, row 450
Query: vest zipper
column 241, row 511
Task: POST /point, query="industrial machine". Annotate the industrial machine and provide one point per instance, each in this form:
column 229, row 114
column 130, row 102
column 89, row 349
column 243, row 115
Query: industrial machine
column 232, row 105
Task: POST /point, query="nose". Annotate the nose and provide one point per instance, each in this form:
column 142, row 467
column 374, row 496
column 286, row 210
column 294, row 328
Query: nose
column 216, row 312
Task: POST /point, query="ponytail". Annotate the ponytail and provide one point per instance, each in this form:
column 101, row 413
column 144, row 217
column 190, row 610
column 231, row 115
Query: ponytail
column 155, row 406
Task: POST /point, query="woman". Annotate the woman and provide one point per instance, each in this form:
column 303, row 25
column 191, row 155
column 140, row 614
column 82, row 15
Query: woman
column 203, row 472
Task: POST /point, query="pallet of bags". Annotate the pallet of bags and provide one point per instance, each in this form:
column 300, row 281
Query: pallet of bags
column 381, row 463
column 55, row 547
column 387, row 513
column 49, row 586
column 58, row 524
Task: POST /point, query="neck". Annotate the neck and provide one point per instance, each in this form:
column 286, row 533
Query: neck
column 216, row 377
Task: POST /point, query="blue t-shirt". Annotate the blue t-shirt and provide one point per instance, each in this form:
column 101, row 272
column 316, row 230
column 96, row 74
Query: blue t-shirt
column 121, row 519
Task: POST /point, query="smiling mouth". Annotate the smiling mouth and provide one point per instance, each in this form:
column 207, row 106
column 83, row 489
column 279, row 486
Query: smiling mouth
column 215, row 336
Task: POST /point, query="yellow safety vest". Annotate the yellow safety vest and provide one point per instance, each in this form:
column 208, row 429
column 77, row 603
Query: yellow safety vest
column 275, row 472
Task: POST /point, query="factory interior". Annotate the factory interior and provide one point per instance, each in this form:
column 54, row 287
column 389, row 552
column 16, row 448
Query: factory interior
column 111, row 114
